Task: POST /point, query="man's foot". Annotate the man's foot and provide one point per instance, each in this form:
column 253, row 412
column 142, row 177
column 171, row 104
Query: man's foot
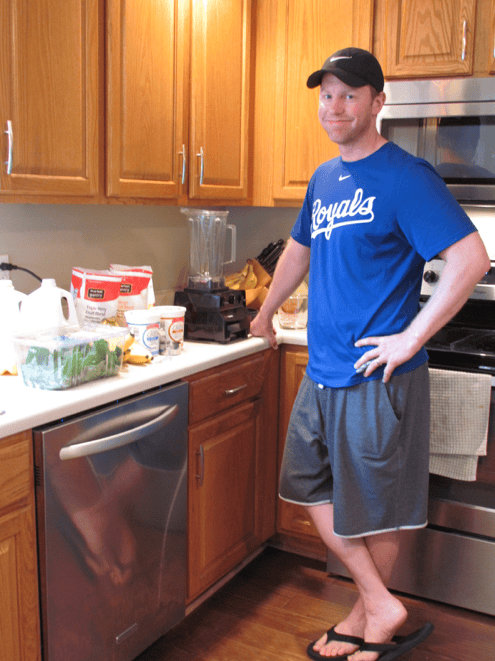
column 337, row 644
column 381, row 624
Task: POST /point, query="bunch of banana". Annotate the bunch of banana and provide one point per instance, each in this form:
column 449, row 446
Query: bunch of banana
column 245, row 279
column 135, row 353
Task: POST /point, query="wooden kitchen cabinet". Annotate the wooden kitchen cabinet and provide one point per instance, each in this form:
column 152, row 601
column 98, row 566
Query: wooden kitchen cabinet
column 421, row 38
column 295, row 530
column 491, row 38
column 178, row 99
column 232, row 469
column 19, row 612
column 49, row 112
column 293, row 39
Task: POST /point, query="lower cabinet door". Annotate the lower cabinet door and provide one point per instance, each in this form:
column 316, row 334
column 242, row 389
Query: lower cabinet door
column 19, row 616
column 222, row 506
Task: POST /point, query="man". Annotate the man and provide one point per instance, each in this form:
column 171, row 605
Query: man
column 356, row 453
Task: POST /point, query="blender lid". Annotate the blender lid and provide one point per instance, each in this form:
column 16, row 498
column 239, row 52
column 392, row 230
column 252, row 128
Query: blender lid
column 188, row 211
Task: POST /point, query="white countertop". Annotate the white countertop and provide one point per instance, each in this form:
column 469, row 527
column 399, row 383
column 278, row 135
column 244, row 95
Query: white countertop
column 27, row 407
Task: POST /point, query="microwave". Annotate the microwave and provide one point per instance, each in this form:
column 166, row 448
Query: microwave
column 451, row 124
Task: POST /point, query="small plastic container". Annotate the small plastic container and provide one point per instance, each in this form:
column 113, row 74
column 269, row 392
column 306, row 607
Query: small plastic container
column 144, row 326
column 293, row 313
column 172, row 328
column 57, row 362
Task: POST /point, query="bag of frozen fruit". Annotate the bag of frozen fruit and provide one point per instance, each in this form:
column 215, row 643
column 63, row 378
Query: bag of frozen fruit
column 136, row 289
column 96, row 295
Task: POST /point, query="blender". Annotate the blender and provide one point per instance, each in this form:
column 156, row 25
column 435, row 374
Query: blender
column 213, row 311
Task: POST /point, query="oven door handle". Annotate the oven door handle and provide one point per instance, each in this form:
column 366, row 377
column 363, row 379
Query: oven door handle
column 119, row 440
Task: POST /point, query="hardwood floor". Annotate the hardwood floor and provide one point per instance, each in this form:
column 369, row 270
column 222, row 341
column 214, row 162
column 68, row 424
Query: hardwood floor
column 280, row 602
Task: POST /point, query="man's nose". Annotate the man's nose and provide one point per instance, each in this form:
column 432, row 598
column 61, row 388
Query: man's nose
column 335, row 106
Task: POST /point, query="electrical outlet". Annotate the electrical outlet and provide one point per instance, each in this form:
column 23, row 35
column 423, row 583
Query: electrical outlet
column 4, row 275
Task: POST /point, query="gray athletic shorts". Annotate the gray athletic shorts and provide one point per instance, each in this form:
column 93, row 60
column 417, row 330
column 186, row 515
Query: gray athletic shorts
column 365, row 449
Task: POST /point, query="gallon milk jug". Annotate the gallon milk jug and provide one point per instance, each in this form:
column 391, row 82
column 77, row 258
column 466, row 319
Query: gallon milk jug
column 10, row 300
column 43, row 311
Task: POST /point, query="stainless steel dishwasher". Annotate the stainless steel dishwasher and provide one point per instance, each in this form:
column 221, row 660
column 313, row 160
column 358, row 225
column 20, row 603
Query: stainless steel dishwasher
column 111, row 518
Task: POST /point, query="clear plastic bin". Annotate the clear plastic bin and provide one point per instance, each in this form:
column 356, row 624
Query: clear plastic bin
column 54, row 362
column 293, row 314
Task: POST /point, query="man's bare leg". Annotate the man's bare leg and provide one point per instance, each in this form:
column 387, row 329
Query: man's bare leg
column 377, row 614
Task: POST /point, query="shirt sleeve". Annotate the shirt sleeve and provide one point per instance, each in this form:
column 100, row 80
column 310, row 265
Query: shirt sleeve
column 427, row 213
column 301, row 231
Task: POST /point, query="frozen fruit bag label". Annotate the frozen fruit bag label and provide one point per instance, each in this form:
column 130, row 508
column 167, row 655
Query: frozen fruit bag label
column 96, row 295
column 133, row 293
column 139, row 269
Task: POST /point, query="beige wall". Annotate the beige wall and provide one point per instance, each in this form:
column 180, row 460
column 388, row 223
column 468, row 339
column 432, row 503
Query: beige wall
column 51, row 239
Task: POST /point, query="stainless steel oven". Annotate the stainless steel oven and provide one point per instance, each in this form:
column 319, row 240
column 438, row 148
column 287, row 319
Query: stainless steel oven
column 450, row 123
column 452, row 560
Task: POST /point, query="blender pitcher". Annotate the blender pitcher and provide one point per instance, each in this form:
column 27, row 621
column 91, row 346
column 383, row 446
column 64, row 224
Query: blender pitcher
column 207, row 247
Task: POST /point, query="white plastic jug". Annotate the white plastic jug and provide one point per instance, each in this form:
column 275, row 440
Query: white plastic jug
column 10, row 299
column 43, row 311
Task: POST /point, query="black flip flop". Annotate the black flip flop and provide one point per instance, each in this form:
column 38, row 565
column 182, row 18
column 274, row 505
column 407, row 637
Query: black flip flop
column 402, row 644
column 341, row 638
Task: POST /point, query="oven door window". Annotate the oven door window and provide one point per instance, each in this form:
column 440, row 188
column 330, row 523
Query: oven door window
column 461, row 148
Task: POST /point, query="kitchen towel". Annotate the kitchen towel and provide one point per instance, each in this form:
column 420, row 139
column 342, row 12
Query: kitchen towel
column 460, row 408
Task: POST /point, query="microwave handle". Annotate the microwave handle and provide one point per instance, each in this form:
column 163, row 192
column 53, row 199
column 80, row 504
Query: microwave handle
column 119, row 440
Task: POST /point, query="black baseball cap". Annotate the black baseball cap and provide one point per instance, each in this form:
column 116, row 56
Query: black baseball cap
column 353, row 66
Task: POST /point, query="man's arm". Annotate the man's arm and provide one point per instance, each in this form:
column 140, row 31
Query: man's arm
column 291, row 269
column 466, row 262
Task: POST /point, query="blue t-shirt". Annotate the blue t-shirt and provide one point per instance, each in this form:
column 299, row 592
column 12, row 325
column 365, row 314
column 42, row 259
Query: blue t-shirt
column 371, row 225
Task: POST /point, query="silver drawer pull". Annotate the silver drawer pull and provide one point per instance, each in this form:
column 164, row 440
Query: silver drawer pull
column 234, row 391
column 464, row 40
column 202, row 165
column 10, row 136
column 183, row 154
column 201, row 454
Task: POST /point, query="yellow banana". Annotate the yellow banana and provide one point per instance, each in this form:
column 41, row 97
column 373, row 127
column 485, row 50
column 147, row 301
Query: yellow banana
column 137, row 354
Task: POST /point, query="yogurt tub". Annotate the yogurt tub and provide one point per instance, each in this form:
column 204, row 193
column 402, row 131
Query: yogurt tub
column 172, row 328
column 144, row 326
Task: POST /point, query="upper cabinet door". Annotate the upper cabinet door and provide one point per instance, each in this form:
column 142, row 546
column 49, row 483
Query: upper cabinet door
column 491, row 39
column 426, row 37
column 145, row 87
column 220, row 99
column 49, row 97
column 308, row 31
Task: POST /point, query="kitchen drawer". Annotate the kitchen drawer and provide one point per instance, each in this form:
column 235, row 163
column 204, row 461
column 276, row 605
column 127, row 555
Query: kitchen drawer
column 220, row 388
column 15, row 469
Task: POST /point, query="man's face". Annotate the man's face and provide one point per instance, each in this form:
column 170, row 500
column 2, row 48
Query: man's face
column 347, row 113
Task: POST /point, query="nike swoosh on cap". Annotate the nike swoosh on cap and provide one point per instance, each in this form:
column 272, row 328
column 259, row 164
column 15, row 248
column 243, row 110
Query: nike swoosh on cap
column 341, row 57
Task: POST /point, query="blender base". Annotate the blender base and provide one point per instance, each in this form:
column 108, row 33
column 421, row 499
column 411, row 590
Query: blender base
column 217, row 315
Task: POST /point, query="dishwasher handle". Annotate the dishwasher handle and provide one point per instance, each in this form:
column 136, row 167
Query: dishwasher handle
column 119, row 440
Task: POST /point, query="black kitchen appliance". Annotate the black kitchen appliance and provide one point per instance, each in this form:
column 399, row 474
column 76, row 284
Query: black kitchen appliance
column 219, row 314
column 213, row 311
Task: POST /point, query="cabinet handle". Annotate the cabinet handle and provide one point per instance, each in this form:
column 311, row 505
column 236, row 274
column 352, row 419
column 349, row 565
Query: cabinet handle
column 464, row 40
column 183, row 154
column 201, row 454
column 10, row 135
column 202, row 165
column 234, row 391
